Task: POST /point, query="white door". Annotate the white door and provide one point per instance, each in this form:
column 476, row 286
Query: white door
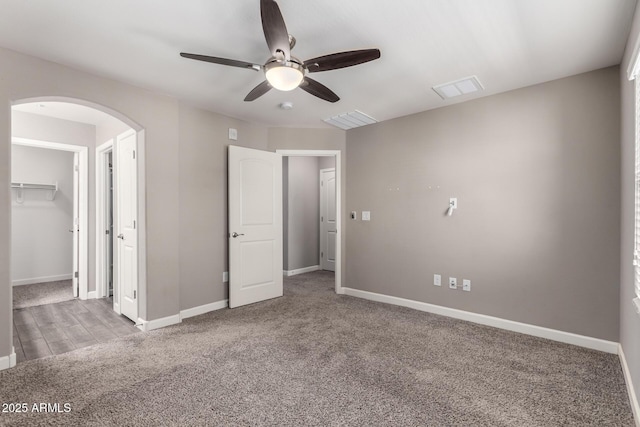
column 255, row 226
column 328, row 230
column 75, row 229
column 126, row 181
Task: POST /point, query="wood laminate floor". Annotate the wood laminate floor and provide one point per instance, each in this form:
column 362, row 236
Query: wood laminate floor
column 50, row 329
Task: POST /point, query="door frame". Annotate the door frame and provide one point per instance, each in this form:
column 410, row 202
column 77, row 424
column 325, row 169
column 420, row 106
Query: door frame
column 141, row 225
column 83, row 204
column 338, row 166
column 101, row 269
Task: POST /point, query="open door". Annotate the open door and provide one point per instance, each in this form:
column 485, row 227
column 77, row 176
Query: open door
column 126, row 182
column 328, row 219
column 255, row 226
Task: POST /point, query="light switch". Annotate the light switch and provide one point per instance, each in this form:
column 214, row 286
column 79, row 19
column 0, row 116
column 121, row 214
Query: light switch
column 366, row 216
column 233, row 134
column 354, row 215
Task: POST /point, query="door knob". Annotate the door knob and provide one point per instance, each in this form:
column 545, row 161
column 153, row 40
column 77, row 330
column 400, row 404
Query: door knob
column 234, row 235
column 121, row 236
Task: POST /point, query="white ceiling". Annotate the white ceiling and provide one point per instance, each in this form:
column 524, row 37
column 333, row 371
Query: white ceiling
column 507, row 44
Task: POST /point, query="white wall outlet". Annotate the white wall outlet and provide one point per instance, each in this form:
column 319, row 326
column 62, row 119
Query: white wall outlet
column 466, row 285
column 233, row 134
column 437, row 280
column 354, row 215
column 453, row 283
column 225, row 277
column 366, row 216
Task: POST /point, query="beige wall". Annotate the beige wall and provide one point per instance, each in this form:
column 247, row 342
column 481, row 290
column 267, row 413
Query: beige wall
column 629, row 319
column 536, row 174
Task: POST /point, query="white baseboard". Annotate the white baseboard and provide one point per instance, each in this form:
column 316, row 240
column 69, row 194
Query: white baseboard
column 196, row 311
column 43, row 279
column 9, row 361
column 496, row 322
column 92, row 295
column 150, row 325
column 295, row 272
column 633, row 398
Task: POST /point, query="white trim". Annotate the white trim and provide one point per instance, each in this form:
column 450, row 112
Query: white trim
column 9, row 361
column 92, row 295
column 83, row 202
column 150, row 325
column 338, row 167
column 633, row 398
column 496, row 322
column 289, row 273
column 632, row 68
column 197, row 311
column 101, row 271
column 44, row 279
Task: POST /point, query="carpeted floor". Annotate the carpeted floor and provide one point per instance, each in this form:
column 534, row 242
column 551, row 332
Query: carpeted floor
column 316, row 358
column 42, row 293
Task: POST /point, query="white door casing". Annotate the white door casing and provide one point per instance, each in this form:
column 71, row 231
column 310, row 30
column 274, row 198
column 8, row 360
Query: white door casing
column 255, row 226
column 75, row 228
column 126, row 185
column 328, row 219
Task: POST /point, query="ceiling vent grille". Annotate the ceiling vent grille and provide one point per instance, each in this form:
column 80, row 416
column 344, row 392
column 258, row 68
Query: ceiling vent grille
column 459, row 87
column 351, row 120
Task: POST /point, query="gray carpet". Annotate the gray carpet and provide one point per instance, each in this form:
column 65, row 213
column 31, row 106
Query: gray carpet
column 316, row 358
column 42, row 293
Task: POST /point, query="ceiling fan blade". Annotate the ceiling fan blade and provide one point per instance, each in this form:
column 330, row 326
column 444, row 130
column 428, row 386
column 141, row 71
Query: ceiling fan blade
column 341, row 60
column 275, row 30
column 318, row 89
column 222, row 61
column 258, row 91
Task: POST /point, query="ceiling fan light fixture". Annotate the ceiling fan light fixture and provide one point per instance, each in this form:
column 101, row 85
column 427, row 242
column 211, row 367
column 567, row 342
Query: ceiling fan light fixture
column 284, row 76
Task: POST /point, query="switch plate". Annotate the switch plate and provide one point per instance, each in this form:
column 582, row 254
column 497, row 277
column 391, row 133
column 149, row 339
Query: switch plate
column 466, row 285
column 453, row 283
column 225, row 277
column 233, row 134
column 437, row 280
column 354, row 215
column 366, row 216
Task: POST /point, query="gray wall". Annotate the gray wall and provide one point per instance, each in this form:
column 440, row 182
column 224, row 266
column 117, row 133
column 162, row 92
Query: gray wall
column 536, row 174
column 42, row 247
column 302, row 225
column 203, row 200
column 629, row 319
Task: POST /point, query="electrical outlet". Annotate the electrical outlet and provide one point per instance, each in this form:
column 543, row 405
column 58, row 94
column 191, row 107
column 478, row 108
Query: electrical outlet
column 466, row 285
column 453, row 283
column 437, row 280
column 225, row 277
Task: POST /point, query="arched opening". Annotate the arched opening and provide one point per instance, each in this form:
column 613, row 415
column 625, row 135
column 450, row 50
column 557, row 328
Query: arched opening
column 101, row 204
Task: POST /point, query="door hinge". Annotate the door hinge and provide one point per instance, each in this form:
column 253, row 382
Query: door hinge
column 76, row 275
column 321, row 219
column 321, row 183
column 321, row 254
column 106, row 231
column 134, row 224
column 134, row 294
column 134, row 154
column 75, row 168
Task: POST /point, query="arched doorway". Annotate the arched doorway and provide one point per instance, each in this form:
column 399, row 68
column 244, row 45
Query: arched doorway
column 55, row 123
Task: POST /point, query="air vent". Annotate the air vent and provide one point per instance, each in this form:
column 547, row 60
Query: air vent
column 459, row 87
column 351, row 120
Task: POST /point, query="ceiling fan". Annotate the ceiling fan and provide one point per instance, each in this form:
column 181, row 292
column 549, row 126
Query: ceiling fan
column 283, row 71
